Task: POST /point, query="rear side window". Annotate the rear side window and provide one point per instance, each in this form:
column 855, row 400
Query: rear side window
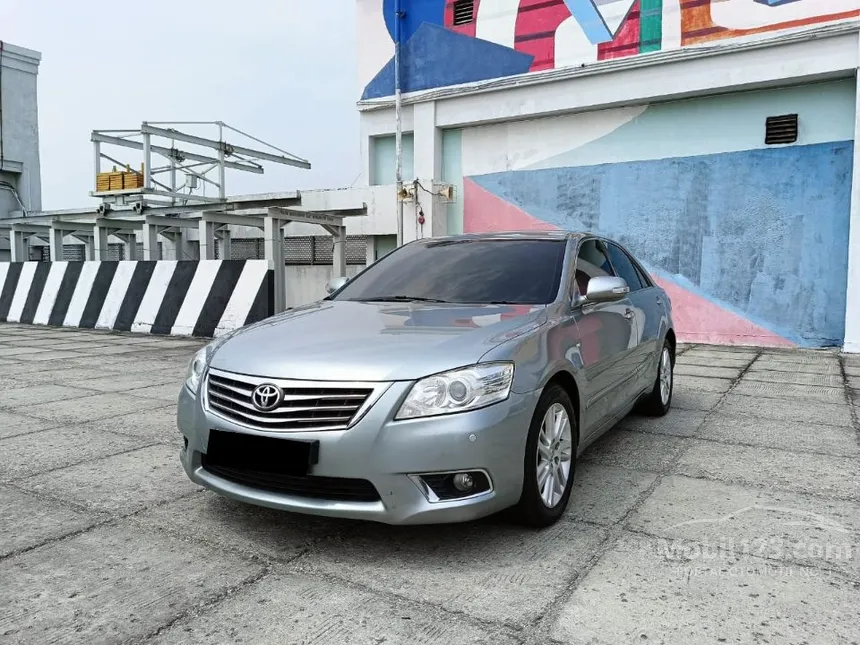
column 624, row 267
column 643, row 277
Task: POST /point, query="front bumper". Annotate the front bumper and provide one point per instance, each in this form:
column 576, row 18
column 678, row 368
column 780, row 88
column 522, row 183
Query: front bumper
column 386, row 452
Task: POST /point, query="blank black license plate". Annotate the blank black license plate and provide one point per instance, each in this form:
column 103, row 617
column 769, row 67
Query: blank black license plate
column 261, row 454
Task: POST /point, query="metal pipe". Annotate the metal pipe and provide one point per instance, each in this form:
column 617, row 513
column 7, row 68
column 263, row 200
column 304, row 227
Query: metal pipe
column 172, row 174
column 398, row 122
column 222, row 175
column 97, row 159
column 147, row 162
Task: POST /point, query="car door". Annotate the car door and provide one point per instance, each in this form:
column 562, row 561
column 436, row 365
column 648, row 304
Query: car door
column 608, row 337
column 648, row 311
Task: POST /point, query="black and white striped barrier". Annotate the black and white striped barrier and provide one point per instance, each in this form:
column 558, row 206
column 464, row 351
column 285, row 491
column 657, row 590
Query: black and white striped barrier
column 181, row 298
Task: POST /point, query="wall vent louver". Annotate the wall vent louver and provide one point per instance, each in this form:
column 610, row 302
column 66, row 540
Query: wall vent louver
column 781, row 129
column 464, row 12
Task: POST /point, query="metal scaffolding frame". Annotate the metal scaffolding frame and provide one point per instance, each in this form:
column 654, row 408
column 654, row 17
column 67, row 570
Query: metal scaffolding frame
column 161, row 208
column 196, row 168
column 269, row 212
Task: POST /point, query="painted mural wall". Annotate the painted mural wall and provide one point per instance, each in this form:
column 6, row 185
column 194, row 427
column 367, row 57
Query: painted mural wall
column 507, row 37
column 751, row 241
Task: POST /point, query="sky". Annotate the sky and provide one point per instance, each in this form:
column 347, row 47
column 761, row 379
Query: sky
column 281, row 70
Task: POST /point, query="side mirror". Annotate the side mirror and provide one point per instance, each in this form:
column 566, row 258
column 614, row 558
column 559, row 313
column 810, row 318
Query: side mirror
column 336, row 283
column 606, row 289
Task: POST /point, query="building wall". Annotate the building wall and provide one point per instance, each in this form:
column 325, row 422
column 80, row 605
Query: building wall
column 508, row 37
column 19, row 129
column 750, row 240
column 306, row 284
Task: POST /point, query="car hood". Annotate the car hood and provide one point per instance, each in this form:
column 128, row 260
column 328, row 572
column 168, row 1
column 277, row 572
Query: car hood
column 360, row 341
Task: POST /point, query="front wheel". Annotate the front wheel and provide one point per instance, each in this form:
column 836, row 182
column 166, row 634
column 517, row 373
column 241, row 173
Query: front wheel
column 550, row 460
column 660, row 399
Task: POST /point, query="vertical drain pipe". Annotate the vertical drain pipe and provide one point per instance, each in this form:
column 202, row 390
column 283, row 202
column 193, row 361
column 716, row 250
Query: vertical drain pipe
column 1, row 105
column 398, row 122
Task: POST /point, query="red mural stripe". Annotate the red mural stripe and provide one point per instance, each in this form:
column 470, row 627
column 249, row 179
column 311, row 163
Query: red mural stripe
column 528, row 37
column 537, row 22
column 703, row 32
column 626, row 42
column 542, row 5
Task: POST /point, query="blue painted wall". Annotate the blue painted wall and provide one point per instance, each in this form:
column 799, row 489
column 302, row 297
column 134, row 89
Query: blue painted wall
column 764, row 232
column 434, row 57
column 415, row 14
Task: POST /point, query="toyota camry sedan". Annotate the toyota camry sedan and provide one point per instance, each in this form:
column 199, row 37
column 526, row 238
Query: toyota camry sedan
column 454, row 378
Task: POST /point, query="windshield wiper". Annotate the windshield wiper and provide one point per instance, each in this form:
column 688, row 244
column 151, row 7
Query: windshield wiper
column 399, row 299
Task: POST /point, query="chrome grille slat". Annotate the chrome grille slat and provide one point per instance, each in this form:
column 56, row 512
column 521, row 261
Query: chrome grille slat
column 272, row 420
column 237, row 390
column 318, row 408
column 305, row 397
column 305, row 406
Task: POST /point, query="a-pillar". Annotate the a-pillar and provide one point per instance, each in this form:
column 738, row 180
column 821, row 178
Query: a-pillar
column 428, row 169
column 100, row 242
column 150, row 242
column 852, row 304
column 19, row 248
column 207, row 240
column 56, row 243
column 273, row 234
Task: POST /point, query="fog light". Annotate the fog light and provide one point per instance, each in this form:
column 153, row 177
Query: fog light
column 463, row 482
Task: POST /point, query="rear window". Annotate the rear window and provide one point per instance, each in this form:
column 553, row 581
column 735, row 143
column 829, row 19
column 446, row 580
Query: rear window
column 465, row 271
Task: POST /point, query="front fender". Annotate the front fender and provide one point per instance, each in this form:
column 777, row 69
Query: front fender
column 538, row 358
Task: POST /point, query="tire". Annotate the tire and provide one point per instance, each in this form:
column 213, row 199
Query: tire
column 532, row 509
column 659, row 401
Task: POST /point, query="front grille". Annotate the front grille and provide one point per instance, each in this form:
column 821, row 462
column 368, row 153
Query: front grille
column 305, row 405
column 331, row 488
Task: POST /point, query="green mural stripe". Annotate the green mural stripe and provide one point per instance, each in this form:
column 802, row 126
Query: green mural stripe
column 650, row 25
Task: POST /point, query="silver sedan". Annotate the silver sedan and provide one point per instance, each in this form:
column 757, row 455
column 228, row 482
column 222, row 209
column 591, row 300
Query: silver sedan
column 452, row 379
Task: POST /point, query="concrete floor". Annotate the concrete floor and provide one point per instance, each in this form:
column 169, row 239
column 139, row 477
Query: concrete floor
column 735, row 519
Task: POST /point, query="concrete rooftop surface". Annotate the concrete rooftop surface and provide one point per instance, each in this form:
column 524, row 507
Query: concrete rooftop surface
column 735, row 519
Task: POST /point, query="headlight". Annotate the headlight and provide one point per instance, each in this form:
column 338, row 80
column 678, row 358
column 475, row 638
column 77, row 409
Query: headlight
column 196, row 368
column 459, row 390
column 201, row 360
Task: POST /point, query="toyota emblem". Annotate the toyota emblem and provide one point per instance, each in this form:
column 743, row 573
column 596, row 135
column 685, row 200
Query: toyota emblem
column 266, row 397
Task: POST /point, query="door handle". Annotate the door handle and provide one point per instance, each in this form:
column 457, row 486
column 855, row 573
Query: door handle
column 629, row 314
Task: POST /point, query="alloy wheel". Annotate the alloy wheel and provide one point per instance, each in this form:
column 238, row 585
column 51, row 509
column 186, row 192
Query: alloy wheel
column 554, row 455
column 665, row 376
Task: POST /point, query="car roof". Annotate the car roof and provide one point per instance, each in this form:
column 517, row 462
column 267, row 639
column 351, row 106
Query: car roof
column 557, row 234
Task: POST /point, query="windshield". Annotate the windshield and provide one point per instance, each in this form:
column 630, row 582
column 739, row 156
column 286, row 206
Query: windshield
column 479, row 271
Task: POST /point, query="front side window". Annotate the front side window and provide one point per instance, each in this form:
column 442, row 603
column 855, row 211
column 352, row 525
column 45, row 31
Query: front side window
column 464, row 271
column 624, row 267
column 591, row 262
